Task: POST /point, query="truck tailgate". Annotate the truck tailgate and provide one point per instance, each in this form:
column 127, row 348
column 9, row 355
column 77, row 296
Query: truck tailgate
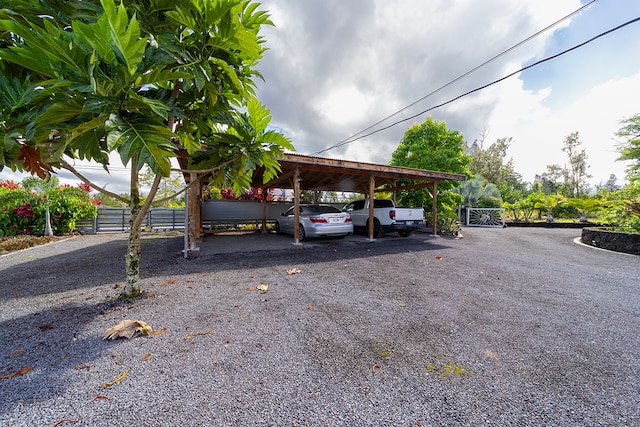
column 409, row 214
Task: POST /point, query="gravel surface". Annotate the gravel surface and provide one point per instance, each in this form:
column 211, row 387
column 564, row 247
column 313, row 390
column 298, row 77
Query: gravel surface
column 503, row 327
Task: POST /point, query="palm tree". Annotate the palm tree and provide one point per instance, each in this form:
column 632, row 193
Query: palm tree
column 44, row 187
column 477, row 189
column 549, row 203
column 584, row 206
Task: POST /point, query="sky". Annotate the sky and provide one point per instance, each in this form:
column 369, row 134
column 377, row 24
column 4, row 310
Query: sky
column 334, row 68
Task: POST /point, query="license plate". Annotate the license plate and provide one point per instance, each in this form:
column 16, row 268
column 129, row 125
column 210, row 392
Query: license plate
column 334, row 219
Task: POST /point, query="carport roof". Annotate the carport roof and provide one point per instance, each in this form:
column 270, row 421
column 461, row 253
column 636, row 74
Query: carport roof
column 318, row 173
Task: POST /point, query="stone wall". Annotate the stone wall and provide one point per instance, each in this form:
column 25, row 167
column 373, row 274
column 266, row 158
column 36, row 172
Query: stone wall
column 611, row 240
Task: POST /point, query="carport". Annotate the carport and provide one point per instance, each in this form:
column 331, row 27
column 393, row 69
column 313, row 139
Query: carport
column 300, row 172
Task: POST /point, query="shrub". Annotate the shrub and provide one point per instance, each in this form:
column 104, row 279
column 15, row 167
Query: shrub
column 23, row 212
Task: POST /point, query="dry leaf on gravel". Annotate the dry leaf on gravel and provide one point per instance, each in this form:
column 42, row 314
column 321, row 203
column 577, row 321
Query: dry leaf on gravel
column 109, row 384
column 194, row 333
column 492, row 355
column 66, row 420
column 126, row 329
column 293, row 270
column 160, row 330
column 168, row 282
column 16, row 373
column 374, row 368
column 80, row 367
column 262, row 287
column 13, row 353
column 100, row 396
column 147, row 357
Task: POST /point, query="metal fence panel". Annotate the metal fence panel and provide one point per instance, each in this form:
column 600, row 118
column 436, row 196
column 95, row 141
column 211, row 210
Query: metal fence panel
column 111, row 219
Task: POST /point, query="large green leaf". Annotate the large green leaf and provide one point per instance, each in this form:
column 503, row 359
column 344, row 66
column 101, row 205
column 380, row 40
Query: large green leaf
column 123, row 34
column 137, row 136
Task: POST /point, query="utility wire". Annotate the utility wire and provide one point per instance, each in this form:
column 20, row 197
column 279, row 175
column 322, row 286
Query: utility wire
column 350, row 140
column 463, row 75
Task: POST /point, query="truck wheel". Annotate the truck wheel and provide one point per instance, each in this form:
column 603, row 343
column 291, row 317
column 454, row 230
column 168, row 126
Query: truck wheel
column 404, row 233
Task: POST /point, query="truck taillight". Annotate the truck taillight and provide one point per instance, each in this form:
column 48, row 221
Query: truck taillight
column 392, row 214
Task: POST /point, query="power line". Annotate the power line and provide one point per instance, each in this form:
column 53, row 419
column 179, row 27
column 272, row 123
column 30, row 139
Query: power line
column 488, row 61
column 349, row 141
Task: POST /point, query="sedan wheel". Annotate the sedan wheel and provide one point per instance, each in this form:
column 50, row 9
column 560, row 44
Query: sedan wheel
column 278, row 231
column 302, row 235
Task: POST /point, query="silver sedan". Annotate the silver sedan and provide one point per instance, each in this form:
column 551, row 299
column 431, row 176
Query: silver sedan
column 316, row 221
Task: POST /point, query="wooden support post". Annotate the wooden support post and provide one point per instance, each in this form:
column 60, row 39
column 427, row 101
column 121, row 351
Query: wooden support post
column 263, row 228
column 296, row 206
column 194, row 218
column 372, row 187
column 434, row 209
column 395, row 184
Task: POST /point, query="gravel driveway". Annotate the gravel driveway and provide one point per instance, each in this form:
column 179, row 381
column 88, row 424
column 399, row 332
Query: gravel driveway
column 503, row 327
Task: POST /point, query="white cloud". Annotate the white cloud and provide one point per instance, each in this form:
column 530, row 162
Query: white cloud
column 539, row 132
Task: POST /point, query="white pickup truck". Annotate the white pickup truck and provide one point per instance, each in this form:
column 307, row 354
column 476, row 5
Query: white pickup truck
column 387, row 217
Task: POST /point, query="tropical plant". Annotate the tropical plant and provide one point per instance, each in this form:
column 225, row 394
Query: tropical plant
column 431, row 145
column 477, row 192
column 44, row 187
column 630, row 149
column 24, row 211
column 548, row 204
column 585, row 206
column 147, row 80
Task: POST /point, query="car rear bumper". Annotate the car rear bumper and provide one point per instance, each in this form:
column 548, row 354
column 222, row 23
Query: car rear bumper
column 329, row 231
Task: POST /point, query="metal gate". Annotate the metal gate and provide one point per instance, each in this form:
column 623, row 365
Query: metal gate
column 486, row 217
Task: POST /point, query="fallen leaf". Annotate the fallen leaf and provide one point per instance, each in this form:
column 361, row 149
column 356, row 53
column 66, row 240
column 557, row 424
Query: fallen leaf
column 109, row 384
column 243, row 316
column 262, row 287
column 109, row 311
column 168, row 282
column 374, row 368
column 46, row 327
column 438, row 257
column 492, row 355
column 126, row 329
column 13, row 353
column 159, row 330
column 100, row 396
column 310, row 307
column 194, row 333
column 293, row 270
column 66, row 420
column 18, row 372
column 251, row 289
column 79, row 367
column 147, row 357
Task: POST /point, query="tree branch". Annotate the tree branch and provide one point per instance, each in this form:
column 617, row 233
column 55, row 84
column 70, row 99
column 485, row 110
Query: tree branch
column 147, row 203
column 201, row 173
column 65, row 165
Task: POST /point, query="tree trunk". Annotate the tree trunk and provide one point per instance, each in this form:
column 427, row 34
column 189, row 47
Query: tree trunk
column 132, row 257
column 137, row 214
column 47, row 217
